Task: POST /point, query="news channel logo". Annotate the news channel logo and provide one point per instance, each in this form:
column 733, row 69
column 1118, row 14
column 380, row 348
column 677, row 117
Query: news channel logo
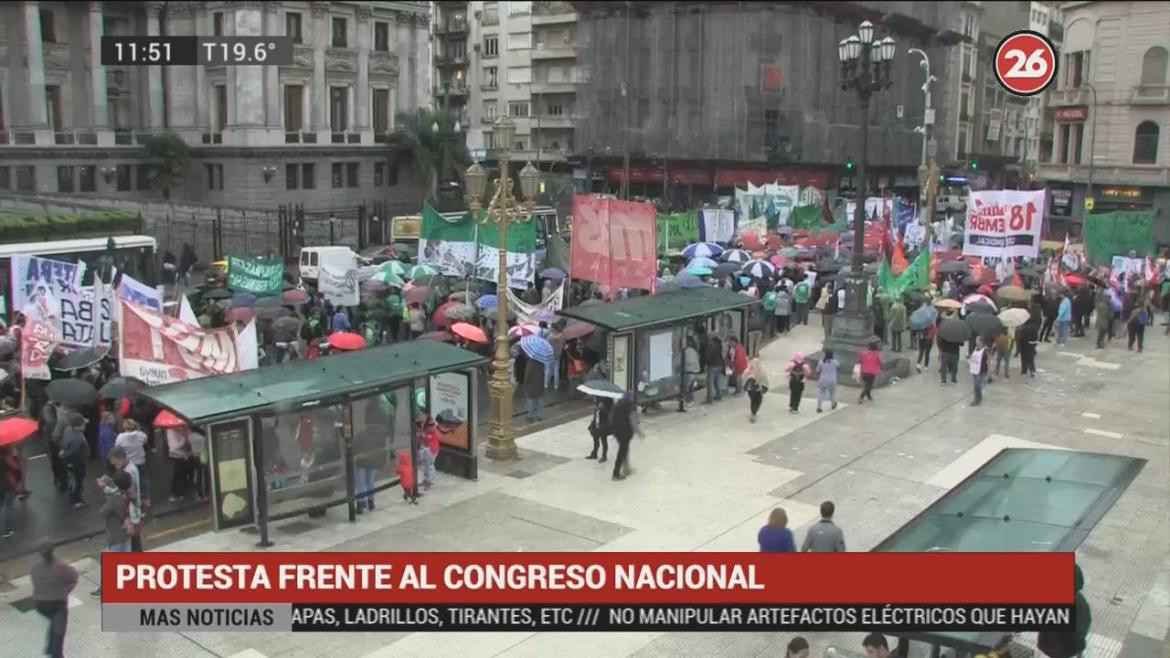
column 1025, row 62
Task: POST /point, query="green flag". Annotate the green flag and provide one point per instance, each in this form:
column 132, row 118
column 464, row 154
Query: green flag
column 676, row 230
column 806, row 217
column 1116, row 233
column 258, row 276
column 521, row 237
column 916, row 276
column 447, row 242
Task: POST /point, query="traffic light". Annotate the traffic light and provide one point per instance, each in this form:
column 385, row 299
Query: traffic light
column 849, row 165
column 941, row 178
column 974, row 165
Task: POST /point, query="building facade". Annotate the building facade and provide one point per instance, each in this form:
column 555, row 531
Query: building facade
column 315, row 131
column 1111, row 109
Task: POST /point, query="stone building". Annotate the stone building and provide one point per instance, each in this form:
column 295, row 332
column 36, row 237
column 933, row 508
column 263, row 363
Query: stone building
column 314, row 131
column 1111, row 107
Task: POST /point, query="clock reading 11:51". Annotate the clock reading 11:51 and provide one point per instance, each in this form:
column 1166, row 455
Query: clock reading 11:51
column 190, row 51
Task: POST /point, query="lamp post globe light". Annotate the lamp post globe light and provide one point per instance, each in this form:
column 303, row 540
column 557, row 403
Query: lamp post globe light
column 866, row 65
column 503, row 208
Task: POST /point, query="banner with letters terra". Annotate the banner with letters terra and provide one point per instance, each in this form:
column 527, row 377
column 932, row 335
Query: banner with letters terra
column 159, row 349
column 1004, row 223
column 614, row 242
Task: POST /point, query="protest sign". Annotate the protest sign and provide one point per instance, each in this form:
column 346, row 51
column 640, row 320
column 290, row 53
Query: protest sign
column 339, row 287
column 1004, row 223
column 259, row 277
column 614, row 242
column 132, row 290
column 718, row 225
column 37, row 280
column 84, row 321
column 38, row 339
column 159, row 349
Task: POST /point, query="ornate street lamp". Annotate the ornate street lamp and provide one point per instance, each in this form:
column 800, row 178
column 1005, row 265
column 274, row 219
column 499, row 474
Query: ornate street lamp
column 866, row 64
column 503, row 208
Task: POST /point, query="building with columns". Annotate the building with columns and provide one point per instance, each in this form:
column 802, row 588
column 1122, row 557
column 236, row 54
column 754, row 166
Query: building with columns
column 315, row 131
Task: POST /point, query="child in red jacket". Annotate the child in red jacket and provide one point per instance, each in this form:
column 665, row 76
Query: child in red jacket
column 406, row 477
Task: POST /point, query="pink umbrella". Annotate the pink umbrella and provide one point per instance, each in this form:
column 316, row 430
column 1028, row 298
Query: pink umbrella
column 751, row 240
column 294, row 296
column 521, row 330
column 241, row 314
column 778, row 260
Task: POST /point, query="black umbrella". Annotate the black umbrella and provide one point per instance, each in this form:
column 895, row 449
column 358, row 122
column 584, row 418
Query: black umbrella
column 727, row 268
column 120, row 387
column 985, row 325
column 955, row 331
column 273, row 313
column 267, row 302
column 217, row 293
column 71, row 392
column 82, row 358
column 979, row 308
column 953, row 267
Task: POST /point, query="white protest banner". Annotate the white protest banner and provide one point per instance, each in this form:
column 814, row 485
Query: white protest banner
column 915, row 234
column 718, row 225
column 521, row 266
column 759, row 225
column 84, row 322
column 785, row 199
column 525, row 312
column 1070, row 257
column 1130, row 267
column 248, row 346
column 159, row 349
column 38, row 340
column 37, row 280
column 133, row 290
column 340, row 287
column 1004, row 223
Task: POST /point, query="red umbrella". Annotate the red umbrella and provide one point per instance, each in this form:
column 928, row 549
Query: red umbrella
column 778, row 260
column 294, row 296
column 774, row 241
column 469, row 331
column 347, row 341
column 15, row 429
column 417, row 294
column 168, row 421
column 437, row 336
column 440, row 317
column 241, row 314
column 751, row 240
column 986, row 289
column 1074, row 280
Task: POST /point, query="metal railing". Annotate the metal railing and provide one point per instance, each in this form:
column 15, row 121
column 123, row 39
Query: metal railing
column 1150, row 95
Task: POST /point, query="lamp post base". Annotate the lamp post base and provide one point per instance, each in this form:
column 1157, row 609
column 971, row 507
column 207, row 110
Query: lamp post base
column 501, row 444
column 852, row 334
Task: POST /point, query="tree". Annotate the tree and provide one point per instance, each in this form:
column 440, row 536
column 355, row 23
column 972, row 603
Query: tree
column 436, row 155
column 168, row 156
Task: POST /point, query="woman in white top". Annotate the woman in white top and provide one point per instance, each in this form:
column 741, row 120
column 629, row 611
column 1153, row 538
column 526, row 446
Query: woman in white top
column 133, row 441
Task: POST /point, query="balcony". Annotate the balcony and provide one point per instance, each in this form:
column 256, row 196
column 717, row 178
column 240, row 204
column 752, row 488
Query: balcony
column 554, row 88
column 552, row 122
column 71, row 137
column 552, row 13
column 1073, row 96
column 1150, row 95
column 458, row 59
column 455, row 90
column 553, row 51
column 452, row 27
column 1107, row 174
column 300, row 137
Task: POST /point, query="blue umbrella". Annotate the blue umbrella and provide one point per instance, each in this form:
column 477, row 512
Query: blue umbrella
column 553, row 273
column 243, row 299
column 686, row 280
column 759, row 268
column 487, row 301
column 537, row 348
column 702, row 250
column 736, row 256
column 922, row 318
column 702, row 261
column 700, row 271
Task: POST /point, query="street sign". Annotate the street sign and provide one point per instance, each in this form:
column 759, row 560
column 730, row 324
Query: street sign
column 1089, row 203
column 928, row 117
column 1025, row 63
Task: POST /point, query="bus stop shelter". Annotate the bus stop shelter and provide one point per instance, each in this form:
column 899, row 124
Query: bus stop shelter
column 306, row 435
column 646, row 335
column 1021, row 500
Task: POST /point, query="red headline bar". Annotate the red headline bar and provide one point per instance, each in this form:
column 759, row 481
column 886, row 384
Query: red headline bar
column 583, row 578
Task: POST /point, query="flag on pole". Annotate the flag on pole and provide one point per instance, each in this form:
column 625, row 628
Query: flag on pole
column 1069, row 258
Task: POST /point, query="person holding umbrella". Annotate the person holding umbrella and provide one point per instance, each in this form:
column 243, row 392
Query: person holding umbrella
column 948, row 353
column 624, row 424
column 539, row 353
column 599, row 428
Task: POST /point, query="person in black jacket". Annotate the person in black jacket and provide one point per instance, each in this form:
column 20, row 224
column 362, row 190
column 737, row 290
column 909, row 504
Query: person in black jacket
column 1050, row 307
column 948, row 358
column 599, row 429
column 1027, row 336
column 714, row 362
column 624, row 425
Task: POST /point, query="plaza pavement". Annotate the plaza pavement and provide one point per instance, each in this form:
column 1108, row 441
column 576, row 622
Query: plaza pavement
column 706, row 480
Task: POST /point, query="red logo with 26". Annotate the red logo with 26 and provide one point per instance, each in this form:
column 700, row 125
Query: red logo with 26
column 1025, row 63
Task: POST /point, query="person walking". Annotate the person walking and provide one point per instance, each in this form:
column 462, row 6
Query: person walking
column 52, row 425
column 428, row 448
column 870, row 362
column 925, row 344
column 737, row 363
column 692, row 368
column 714, row 369
column 52, row 581
column 120, row 464
column 824, row 536
column 132, row 440
column 783, row 310
column 179, row 452
column 756, row 385
column 624, row 424
column 534, row 389
column 115, row 513
column 897, row 323
column 948, row 358
column 1027, row 337
column 797, row 371
column 1003, row 354
column 1104, row 319
column 1063, row 318
column 776, row 537
column 75, row 454
column 1135, row 326
column 829, row 310
column 800, row 296
column 827, row 381
column 1049, row 308
column 797, row 648
column 977, row 363
column 599, row 428
column 769, row 304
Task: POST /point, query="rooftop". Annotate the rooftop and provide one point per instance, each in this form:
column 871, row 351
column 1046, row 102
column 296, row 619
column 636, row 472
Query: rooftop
column 661, row 309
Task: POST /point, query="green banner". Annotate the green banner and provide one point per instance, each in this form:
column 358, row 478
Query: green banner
column 521, row 236
column 677, row 230
column 1116, row 233
column 257, row 276
column 806, row 217
column 438, row 227
column 916, row 276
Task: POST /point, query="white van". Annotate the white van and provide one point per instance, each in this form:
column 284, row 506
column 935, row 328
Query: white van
column 336, row 257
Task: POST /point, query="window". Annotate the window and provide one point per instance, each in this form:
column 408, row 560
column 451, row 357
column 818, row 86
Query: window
column 1154, row 66
column 351, row 174
column 771, row 129
column 555, row 109
column 1065, row 137
column 340, row 39
column 392, row 174
column 489, row 110
column 26, row 178
column 142, row 176
column 518, row 109
column 214, row 176
column 516, row 8
column 221, row 108
column 87, row 178
column 491, row 77
column 457, row 50
column 968, row 25
column 290, row 176
column 1079, row 132
column 489, row 141
column 382, row 37
column 123, row 174
column 217, row 23
column 294, row 96
column 379, row 173
column 53, row 106
column 1076, row 68
column 65, row 179
column 381, row 111
column 338, row 175
column 491, row 14
column 491, row 46
column 338, row 109
column 1145, row 143
column 48, row 26
column 520, row 75
column 308, row 176
column 520, row 144
column 5, row 178
column 292, row 27
column 519, row 40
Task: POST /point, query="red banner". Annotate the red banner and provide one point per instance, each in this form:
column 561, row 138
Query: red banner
column 589, row 578
column 37, row 340
column 159, row 349
column 614, row 242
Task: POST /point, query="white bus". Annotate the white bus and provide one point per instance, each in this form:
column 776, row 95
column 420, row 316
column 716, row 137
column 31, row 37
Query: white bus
column 133, row 254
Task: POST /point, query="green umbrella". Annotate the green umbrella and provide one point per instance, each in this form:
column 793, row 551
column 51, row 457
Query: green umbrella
column 700, row 271
column 420, row 271
column 393, row 267
column 388, row 278
column 788, row 251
